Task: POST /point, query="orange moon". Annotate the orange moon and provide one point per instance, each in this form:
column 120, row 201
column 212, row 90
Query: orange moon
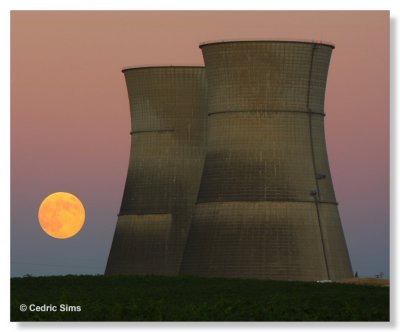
column 61, row 215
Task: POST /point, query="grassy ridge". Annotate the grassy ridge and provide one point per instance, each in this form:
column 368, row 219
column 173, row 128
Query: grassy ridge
column 152, row 298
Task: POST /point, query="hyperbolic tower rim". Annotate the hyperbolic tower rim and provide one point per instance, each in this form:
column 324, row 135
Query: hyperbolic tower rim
column 301, row 41
column 160, row 66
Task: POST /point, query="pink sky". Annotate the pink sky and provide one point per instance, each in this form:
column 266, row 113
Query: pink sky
column 70, row 118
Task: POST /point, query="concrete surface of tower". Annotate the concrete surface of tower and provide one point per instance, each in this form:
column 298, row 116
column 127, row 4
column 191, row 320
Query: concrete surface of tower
column 266, row 206
column 168, row 112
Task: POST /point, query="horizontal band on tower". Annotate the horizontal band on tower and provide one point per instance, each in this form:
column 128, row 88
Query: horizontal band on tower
column 151, row 131
column 269, row 111
column 143, row 214
column 270, row 200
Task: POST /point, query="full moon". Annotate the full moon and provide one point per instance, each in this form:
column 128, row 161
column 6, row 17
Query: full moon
column 61, row 215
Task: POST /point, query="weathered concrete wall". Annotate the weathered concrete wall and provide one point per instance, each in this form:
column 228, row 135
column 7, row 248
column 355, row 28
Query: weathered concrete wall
column 266, row 206
column 168, row 112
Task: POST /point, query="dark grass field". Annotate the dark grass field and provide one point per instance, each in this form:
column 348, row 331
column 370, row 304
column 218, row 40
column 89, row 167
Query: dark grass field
column 152, row 298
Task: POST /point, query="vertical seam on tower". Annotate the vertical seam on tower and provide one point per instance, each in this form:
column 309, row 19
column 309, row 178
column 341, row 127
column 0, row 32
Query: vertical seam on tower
column 316, row 197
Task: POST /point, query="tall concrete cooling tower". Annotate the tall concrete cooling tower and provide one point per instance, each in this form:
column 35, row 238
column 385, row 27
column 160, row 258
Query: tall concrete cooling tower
column 266, row 206
column 168, row 112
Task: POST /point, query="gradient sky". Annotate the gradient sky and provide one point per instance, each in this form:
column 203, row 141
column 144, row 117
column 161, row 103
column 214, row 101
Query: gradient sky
column 70, row 119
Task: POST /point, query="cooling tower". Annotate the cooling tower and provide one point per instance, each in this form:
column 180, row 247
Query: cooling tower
column 168, row 112
column 266, row 206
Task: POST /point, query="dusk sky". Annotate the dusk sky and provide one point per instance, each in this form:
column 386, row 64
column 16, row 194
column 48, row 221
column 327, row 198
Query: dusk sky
column 70, row 118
